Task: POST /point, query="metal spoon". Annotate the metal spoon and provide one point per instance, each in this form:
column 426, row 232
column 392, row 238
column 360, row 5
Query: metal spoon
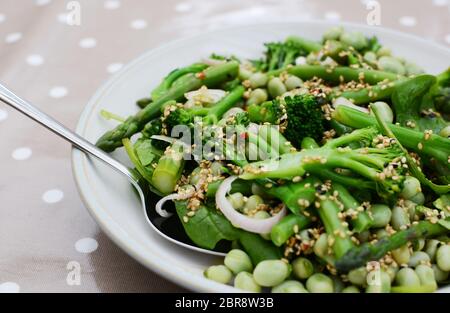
column 155, row 221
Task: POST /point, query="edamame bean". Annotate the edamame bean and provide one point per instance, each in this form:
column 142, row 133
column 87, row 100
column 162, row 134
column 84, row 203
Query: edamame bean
column 293, row 82
column 418, row 198
column 426, row 275
column 236, row 200
column 391, row 64
column 411, row 187
column 219, row 273
column 257, row 96
column 258, row 80
column 290, row 286
column 246, row 282
column 400, row 218
column 333, row 33
column 252, row 203
column 439, row 274
column 445, row 132
column 384, row 110
column 379, row 282
column 351, row 289
column 370, row 57
column 417, row 258
column 431, row 247
column 355, row 39
column 443, row 257
column 320, row 283
column 401, row 255
column 407, row 277
column 271, row 273
column 381, row 215
column 302, row 268
column 276, row 87
column 358, row 276
column 238, row 261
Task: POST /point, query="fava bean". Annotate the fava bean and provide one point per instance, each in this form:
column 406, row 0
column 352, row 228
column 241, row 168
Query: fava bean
column 252, row 203
column 443, row 257
column 355, row 39
column 431, row 248
column 379, row 282
column 391, row 64
column 257, row 96
column 302, row 268
column 381, row 215
column 407, row 277
column 219, row 273
column 290, row 286
column 384, row 110
column 238, row 261
column 417, row 258
column 271, row 273
column 333, row 33
column 246, row 282
column 411, row 187
column 351, row 289
column 401, row 255
column 236, row 200
column 426, row 275
column 439, row 274
column 258, row 80
column 358, row 276
column 400, row 218
column 419, row 198
column 320, row 283
column 276, row 87
column 293, row 82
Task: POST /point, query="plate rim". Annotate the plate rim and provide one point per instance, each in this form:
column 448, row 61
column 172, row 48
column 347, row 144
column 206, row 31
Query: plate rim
column 184, row 279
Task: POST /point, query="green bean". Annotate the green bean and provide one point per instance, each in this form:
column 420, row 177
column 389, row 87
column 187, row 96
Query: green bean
column 400, row 218
column 258, row 80
column 426, row 275
column 380, row 282
column 401, row 255
column 257, row 248
column 236, row 200
column 358, row 276
column 439, row 274
column 290, row 286
column 351, row 289
column 257, row 96
column 219, row 273
column 276, row 87
column 355, row 39
column 302, row 268
column 238, row 261
column 443, row 257
column 246, row 282
column 385, row 111
column 320, row 283
column 407, row 277
column 293, row 82
column 381, row 215
column 411, row 187
column 431, row 247
column 286, row 228
column 390, row 64
column 271, row 273
column 417, row 258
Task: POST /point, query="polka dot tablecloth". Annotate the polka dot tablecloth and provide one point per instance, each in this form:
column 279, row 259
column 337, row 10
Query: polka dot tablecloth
column 48, row 241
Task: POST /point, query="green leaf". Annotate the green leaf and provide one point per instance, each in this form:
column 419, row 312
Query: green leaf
column 207, row 227
column 444, row 223
column 443, row 203
column 146, row 152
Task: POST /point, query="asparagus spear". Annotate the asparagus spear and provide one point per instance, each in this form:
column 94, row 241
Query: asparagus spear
column 286, row 228
column 169, row 169
column 359, row 256
column 212, row 76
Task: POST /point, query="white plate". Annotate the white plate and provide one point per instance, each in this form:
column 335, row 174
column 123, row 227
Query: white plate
column 110, row 198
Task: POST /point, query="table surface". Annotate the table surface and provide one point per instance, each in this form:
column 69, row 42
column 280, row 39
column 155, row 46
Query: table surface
column 46, row 235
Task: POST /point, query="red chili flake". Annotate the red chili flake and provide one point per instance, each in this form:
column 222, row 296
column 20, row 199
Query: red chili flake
column 200, row 75
column 243, row 136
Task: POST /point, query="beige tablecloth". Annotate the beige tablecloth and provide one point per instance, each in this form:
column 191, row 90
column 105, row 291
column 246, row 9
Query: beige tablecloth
column 46, row 235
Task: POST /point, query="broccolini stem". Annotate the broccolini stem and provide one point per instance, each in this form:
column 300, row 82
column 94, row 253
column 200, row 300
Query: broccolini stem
column 287, row 227
column 258, row 248
column 305, row 44
column 435, row 146
column 219, row 109
column 362, row 221
column 212, row 76
column 359, row 256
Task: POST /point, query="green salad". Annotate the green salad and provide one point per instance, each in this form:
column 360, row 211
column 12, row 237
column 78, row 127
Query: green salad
column 324, row 164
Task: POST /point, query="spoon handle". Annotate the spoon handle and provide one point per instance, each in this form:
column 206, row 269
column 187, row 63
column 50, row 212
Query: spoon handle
column 8, row 97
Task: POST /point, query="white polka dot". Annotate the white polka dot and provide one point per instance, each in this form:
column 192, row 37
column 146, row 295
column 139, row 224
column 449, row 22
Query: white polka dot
column 13, row 37
column 332, row 16
column 3, row 115
column 112, row 4
column 114, row 67
column 2, row 17
column 138, row 24
column 42, row 2
column 447, row 39
column 86, row 245
column 22, row 154
column 58, row 92
column 408, row 21
column 87, row 43
column 35, row 60
column 63, row 18
column 9, row 287
column 53, row 196
column 440, row 3
column 183, row 7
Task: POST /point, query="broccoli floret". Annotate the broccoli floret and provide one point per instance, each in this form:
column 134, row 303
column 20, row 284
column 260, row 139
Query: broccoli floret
column 242, row 119
column 178, row 117
column 280, row 55
column 304, row 117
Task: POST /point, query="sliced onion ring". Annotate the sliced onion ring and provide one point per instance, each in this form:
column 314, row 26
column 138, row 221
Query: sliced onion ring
column 242, row 221
column 175, row 196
